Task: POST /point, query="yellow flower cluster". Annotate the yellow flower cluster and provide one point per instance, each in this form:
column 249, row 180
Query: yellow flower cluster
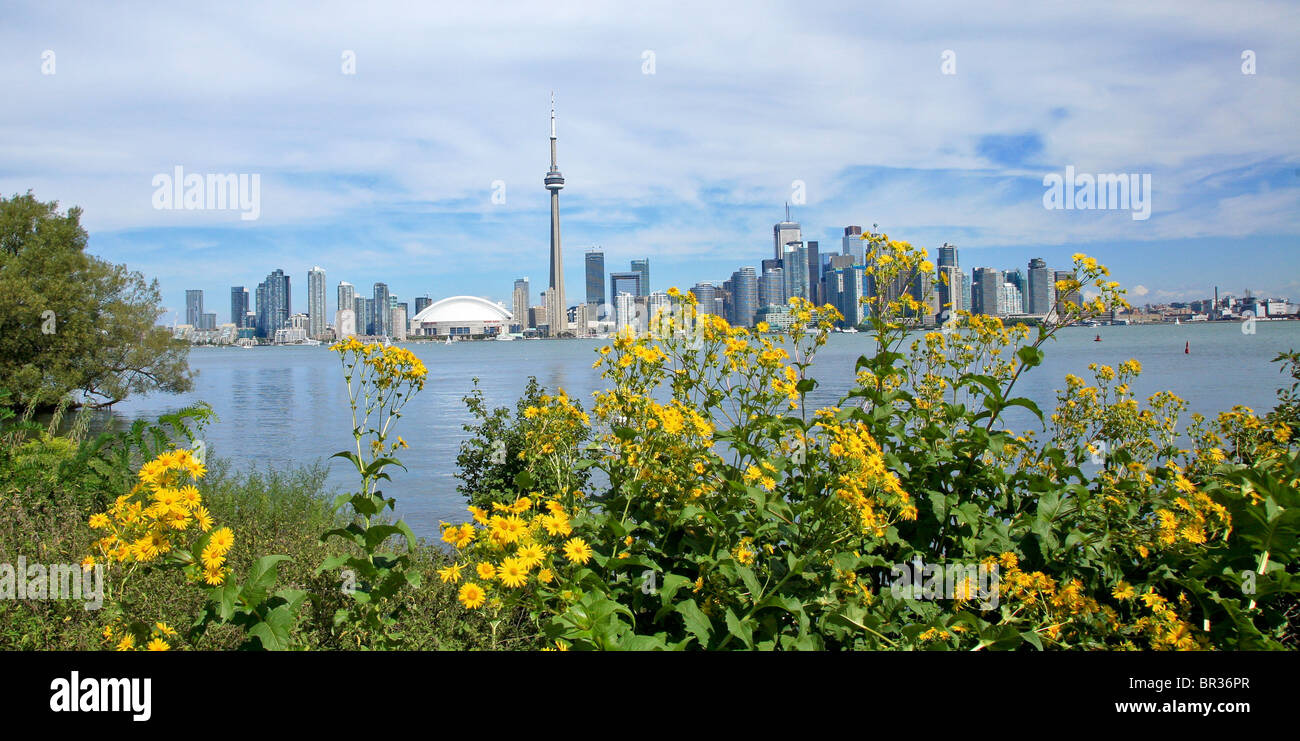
column 390, row 364
column 520, row 540
column 1195, row 517
column 863, row 479
column 146, row 523
column 124, row 640
column 1165, row 628
column 1058, row 606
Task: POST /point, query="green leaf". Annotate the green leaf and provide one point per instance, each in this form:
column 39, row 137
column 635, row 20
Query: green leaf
column 740, row 629
column 697, row 623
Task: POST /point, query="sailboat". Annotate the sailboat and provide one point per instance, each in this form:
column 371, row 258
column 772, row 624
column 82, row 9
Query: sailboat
column 448, row 342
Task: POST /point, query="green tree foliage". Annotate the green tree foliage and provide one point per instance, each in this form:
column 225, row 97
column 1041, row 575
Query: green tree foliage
column 71, row 322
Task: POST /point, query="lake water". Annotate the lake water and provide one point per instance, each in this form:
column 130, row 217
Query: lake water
column 278, row 406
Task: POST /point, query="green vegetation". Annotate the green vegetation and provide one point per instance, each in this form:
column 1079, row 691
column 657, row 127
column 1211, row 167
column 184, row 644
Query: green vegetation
column 71, row 323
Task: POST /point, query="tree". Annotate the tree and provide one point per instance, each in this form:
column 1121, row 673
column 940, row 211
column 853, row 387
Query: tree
column 71, row 322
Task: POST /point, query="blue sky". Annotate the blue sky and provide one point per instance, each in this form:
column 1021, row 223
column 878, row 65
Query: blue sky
column 387, row 174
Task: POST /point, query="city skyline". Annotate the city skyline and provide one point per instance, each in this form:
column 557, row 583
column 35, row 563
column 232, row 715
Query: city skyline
column 678, row 150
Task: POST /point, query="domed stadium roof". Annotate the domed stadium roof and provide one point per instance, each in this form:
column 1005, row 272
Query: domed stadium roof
column 462, row 309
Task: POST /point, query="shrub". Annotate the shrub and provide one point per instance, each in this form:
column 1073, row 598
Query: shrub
column 736, row 517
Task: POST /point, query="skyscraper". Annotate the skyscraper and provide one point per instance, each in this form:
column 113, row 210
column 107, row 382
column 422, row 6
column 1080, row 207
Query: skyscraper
column 347, row 299
column 948, row 256
column 194, row 307
column 705, row 293
column 1042, row 290
column 771, row 287
column 261, row 310
column 744, row 297
column 624, row 282
column 273, row 302
column 1011, row 300
column 519, row 302
column 814, row 273
column 795, row 267
column 595, row 265
column 359, row 310
column 316, row 306
column 556, row 308
column 986, row 287
column 238, row 305
column 421, row 303
column 852, row 244
column 950, row 282
column 643, row 267
column 380, row 317
column 1070, row 297
column 785, row 232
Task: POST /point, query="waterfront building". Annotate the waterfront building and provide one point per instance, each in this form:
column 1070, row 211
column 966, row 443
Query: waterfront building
column 656, row 302
column 345, row 323
column 794, row 265
column 744, row 300
column 1011, row 300
column 852, row 244
column 194, row 307
column 643, row 267
column 625, row 313
column 778, row 318
column 771, row 287
column 462, row 316
column 624, row 282
column 380, row 318
column 594, row 262
column 522, row 318
column 705, row 293
column 399, row 323
column 1041, row 295
column 785, row 232
column 814, row 273
column 986, row 284
column 273, row 301
column 316, row 306
column 238, row 306
column 1071, row 297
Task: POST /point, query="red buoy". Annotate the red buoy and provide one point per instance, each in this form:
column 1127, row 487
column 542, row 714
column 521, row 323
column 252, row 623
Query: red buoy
column 1187, row 348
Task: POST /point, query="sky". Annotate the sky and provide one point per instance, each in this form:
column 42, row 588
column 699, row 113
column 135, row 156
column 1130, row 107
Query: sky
column 684, row 129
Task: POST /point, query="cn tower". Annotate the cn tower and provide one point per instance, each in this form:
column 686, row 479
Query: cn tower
column 557, row 313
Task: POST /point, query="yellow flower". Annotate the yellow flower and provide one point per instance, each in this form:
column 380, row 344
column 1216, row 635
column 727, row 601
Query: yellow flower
column 545, row 576
column 450, row 573
column 512, row 573
column 221, row 540
column 577, row 551
column 99, row 521
column 472, row 596
column 127, row 643
column 530, row 555
column 158, row 644
column 486, row 570
column 1123, row 591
